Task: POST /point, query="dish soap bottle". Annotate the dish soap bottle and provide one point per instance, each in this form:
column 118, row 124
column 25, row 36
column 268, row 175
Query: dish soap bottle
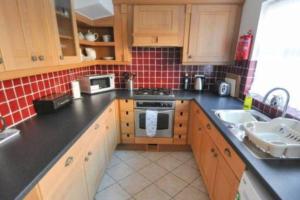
column 248, row 102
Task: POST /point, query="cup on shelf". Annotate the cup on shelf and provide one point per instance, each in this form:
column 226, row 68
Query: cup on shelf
column 106, row 38
column 91, row 53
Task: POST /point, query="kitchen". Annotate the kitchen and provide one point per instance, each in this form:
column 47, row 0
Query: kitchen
column 148, row 99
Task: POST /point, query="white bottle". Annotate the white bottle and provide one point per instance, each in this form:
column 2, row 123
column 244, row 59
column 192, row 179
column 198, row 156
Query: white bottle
column 75, row 89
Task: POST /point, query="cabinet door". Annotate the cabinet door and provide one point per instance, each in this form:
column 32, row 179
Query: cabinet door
column 15, row 49
column 158, row 25
column 95, row 163
column 226, row 183
column 36, row 20
column 64, row 21
column 213, row 30
column 209, row 161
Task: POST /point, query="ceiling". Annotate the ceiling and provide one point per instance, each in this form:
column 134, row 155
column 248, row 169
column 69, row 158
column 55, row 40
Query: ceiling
column 94, row 9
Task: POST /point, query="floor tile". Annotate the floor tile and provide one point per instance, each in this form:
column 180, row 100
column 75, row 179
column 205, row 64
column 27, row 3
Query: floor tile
column 182, row 155
column 168, row 162
column 125, row 155
column 114, row 161
column 186, row 173
column 152, row 193
column 171, row 184
column 192, row 162
column 120, row 171
column 199, row 184
column 153, row 172
column 106, row 182
column 153, row 156
column 114, row 192
column 190, row 193
column 134, row 183
column 137, row 162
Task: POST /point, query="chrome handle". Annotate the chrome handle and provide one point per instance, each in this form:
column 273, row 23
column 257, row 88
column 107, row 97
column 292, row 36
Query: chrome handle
column 69, row 161
column 96, row 126
column 61, row 57
column 34, row 58
column 227, row 152
column 41, row 58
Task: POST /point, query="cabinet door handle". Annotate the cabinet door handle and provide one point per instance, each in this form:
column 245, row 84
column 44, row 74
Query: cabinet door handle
column 1, row 60
column 189, row 56
column 156, row 39
column 227, row 152
column 33, row 58
column 41, row 57
column 215, row 155
column 212, row 150
column 107, row 127
column 61, row 57
column 97, row 126
column 208, row 126
column 90, row 153
column 127, row 112
column 199, row 129
column 181, row 113
column 69, row 161
column 86, row 159
column 110, row 110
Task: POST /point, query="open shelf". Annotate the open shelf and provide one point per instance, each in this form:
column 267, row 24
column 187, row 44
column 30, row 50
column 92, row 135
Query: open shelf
column 96, row 44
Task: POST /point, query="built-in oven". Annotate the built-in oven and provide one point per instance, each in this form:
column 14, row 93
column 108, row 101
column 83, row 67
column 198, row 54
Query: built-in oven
column 165, row 116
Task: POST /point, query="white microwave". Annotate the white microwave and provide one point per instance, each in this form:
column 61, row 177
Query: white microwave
column 97, row 83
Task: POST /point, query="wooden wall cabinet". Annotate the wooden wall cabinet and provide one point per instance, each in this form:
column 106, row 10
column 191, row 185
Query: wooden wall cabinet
column 211, row 34
column 26, row 36
column 66, row 37
column 158, row 25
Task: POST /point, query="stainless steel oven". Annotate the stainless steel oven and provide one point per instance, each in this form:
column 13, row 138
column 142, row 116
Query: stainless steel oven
column 165, row 117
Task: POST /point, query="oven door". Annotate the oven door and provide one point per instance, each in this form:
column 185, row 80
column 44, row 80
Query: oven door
column 164, row 123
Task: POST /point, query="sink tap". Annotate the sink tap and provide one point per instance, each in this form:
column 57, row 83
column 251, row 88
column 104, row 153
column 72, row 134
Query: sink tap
column 286, row 100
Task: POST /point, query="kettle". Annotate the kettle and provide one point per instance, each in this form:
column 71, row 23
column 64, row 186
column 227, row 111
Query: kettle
column 199, row 82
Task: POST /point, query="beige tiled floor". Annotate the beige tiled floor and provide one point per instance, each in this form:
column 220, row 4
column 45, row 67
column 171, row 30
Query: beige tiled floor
column 138, row 175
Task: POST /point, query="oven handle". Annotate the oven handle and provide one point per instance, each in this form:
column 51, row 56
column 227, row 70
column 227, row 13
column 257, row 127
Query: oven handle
column 158, row 110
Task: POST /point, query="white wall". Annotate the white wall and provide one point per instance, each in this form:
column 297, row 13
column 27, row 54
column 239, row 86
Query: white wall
column 250, row 17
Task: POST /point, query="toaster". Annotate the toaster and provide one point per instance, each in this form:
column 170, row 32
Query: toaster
column 223, row 88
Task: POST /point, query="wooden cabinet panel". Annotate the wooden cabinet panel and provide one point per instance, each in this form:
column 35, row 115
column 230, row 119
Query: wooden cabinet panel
column 34, row 194
column 127, row 127
column 127, row 138
column 127, row 116
column 15, row 49
column 180, row 128
column 95, row 163
column 209, row 161
column 126, row 105
column 158, row 25
column 212, row 34
column 181, row 115
column 180, row 139
column 182, row 105
column 66, row 179
column 226, row 183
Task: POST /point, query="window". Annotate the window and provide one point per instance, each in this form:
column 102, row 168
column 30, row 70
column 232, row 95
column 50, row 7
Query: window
column 277, row 49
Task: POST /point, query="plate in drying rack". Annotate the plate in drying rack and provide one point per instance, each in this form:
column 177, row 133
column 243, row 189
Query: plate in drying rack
column 279, row 137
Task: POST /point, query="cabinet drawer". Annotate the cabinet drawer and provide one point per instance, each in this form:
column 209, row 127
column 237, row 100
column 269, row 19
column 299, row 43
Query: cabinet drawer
column 127, row 127
column 231, row 157
column 127, row 116
column 180, row 139
column 127, row 138
column 181, row 115
column 126, row 105
column 180, row 128
column 182, row 105
column 139, row 40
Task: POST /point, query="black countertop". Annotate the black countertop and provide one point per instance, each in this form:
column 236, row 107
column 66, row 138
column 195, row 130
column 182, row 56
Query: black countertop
column 44, row 139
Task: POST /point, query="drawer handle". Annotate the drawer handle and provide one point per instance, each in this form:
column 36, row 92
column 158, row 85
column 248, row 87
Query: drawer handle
column 227, row 152
column 97, row 126
column 107, row 127
column 181, row 113
column 128, row 135
column 41, row 57
column 199, row 129
column 127, row 124
column 127, row 112
column 69, row 161
column 208, row 126
column 182, row 101
column 212, row 150
column 215, row 155
column 61, row 57
column 126, row 100
column 197, row 111
column 189, row 56
column 34, row 58
column 86, row 159
column 180, row 125
column 179, row 136
column 90, row 153
column 110, row 110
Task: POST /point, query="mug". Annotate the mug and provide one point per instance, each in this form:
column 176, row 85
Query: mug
column 91, row 53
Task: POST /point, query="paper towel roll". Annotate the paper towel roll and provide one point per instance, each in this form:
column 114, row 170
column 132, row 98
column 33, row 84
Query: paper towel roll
column 75, row 89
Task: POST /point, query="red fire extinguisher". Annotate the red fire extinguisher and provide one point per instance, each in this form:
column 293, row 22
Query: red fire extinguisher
column 244, row 47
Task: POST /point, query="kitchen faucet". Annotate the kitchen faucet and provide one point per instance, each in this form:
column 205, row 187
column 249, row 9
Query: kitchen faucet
column 286, row 101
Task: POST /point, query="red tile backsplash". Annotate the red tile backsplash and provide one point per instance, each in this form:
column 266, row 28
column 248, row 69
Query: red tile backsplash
column 154, row 67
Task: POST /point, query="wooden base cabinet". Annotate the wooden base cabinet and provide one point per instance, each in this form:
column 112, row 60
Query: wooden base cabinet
column 78, row 173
